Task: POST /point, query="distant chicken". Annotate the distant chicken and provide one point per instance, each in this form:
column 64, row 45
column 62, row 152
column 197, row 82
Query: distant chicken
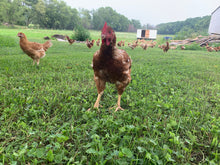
column 111, row 64
column 144, row 46
column 119, row 43
column 209, row 48
column 71, row 41
column 166, row 48
column 134, row 45
column 90, row 43
column 33, row 49
column 182, row 47
column 131, row 46
column 123, row 43
column 216, row 48
column 153, row 44
column 98, row 42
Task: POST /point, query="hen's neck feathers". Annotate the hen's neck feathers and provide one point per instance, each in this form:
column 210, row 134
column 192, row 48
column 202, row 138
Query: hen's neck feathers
column 24, row 39
column 107, row 50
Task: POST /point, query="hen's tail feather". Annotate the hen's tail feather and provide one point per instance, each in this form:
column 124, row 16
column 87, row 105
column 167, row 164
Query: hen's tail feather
column 47, row 45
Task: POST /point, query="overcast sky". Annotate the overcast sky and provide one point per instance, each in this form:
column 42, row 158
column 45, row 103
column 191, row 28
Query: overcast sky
column 152, row 11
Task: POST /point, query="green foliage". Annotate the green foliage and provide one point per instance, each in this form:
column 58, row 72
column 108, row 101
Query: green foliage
column 183, row 29
column 136, row 23
column 106, row 14
column 81, row 34
column 86, row 18
column 171, row 107
column 185, row 33
column 194, row 46
column 33, row 26
column 12, row 12
column 55, row 14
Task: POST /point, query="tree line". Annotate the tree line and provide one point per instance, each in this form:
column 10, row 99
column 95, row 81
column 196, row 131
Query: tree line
column 183, row 29
column 56, row 14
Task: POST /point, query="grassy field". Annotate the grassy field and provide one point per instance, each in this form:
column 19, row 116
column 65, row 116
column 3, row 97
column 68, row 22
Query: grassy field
column 171, row 106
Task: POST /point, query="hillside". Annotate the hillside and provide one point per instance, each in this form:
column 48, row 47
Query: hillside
column 190, row 26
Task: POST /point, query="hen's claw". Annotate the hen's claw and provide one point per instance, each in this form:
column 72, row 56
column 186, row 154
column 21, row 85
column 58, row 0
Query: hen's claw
column 119, row 108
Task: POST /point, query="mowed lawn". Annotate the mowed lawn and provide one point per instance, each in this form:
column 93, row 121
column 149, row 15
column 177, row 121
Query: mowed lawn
column 171, row 106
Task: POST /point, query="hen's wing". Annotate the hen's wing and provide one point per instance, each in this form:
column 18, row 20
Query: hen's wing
column 38, row 46
column 35, row 54
column 34, row 45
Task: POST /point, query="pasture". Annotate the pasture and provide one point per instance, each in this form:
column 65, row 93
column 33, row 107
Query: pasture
column 171, row 106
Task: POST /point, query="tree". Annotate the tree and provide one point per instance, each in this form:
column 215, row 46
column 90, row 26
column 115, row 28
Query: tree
column 149, row 26
column 106, row 14
column 56, row 14
column 4, row 7
column 195, row 25
column 40, row 11
column 11, row 11
column 86, row 18
column 81, row 34
column 136, row 23
column 60, row 16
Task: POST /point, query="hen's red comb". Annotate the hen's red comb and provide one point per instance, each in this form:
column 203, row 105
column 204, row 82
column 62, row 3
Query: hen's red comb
column 104, row 27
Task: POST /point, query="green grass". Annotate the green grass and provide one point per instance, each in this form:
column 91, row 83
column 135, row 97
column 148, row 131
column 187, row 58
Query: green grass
column 171, row 107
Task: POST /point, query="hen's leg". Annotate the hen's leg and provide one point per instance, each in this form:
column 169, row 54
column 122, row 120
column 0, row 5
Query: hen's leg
column 96, row 105
column 119, row 104
column 38, row 61
column 33, row 61
column 100, row 85
column 121, row 87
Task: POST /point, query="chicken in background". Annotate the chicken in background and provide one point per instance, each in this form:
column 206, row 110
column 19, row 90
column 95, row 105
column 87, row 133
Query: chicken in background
column 133, row 45
column 144, row 46
column 71, row 41
column 209, row 48
column 119, row 43
column 160, row 46
column 166, row 47
column 98, row 42
column 112, row 65
column 90, row 43
column 123, row 43
column 33, row 49
column 182, row 47
column 152, row 44
column 217, row 48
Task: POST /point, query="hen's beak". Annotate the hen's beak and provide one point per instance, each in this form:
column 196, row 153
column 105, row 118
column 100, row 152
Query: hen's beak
column 19, row 35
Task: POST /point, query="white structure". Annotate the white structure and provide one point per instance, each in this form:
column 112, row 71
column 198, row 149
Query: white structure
column 146, row 34
column 214, row 26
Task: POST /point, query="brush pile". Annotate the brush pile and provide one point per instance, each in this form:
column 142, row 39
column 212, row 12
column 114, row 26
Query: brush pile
column 201, row 40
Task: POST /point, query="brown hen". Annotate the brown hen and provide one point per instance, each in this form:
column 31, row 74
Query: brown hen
column 112, row 65
column 71, row 41
column 33, row 49
column 166, row 48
